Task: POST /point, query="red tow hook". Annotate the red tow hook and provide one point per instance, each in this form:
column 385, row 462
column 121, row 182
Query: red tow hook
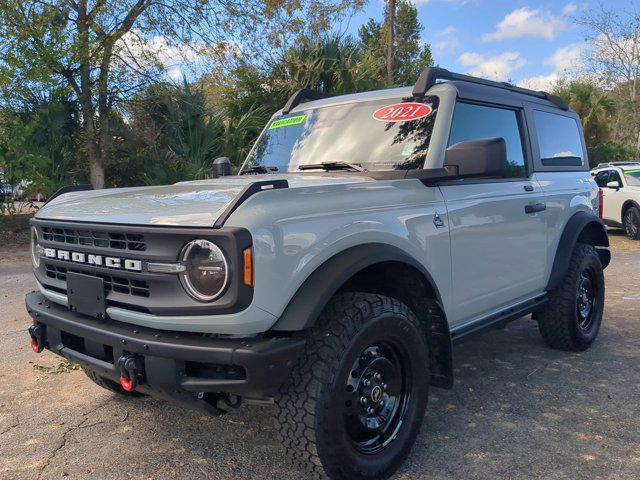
column 131, row 372
column 36, row 332
column 127, row 385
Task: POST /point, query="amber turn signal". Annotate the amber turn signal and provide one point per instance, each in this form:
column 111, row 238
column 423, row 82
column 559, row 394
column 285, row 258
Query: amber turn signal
column 248, row 268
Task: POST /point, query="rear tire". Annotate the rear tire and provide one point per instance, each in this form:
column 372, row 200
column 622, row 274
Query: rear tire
column 356, row 398
column 572, row 318
column 110, row 384
column 631, row 222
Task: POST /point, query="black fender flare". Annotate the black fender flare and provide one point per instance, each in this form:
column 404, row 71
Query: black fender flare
column 581, row 226
column 309, row 300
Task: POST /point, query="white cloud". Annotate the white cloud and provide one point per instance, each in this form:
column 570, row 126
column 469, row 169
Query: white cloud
column 497, row 67
column 446, row 41
column 569, row 9
column 527, row 22
column 567, row 62
column 176, row 75
column 540, row 82
column 156, row 50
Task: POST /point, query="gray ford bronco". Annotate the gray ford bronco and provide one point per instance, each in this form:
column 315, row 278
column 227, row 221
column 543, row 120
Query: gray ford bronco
column 363, row 236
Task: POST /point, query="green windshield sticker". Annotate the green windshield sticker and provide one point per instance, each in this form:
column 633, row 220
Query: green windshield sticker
column 632, row 171
column 287, row 121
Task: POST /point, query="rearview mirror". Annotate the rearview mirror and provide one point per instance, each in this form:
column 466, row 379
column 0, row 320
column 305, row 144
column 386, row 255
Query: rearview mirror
column 614, row 184
column 221, row 167
column 486, row 157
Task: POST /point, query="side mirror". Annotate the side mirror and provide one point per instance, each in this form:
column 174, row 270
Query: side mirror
column 486, row 157
column 614, row 184
column 222, row 167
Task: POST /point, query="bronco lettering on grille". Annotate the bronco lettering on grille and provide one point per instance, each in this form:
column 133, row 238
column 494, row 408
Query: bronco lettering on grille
column 97, row 260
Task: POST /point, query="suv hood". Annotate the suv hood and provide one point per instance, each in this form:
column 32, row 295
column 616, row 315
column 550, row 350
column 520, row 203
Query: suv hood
column 187, row 204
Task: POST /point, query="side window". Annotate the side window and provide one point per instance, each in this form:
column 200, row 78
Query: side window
column 474, row 122
column 602, row 178
column 559, row 140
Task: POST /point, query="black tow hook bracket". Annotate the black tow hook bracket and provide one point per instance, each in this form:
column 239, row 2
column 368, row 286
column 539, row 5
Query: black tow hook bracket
column 131, row 371
column 36, row 332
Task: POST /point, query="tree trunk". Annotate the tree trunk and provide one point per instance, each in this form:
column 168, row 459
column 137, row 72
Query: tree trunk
column 96, row 166
column 391, row 19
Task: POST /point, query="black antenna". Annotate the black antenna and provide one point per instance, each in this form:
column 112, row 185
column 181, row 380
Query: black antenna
column 301, row 95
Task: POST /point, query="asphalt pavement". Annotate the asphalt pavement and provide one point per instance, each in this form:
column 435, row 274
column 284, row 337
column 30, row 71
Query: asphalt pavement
column 518, row 409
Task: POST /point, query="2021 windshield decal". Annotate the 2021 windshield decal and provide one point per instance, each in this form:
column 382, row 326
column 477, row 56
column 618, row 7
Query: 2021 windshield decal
column 402, row 112
column 287, row 121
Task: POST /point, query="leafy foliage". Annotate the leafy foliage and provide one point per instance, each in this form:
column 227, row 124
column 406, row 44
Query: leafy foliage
column 411, row 56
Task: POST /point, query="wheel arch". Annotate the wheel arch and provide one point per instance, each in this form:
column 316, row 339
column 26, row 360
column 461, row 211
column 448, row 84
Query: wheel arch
column 382, row 269
column 582, row 227
column 627, row 205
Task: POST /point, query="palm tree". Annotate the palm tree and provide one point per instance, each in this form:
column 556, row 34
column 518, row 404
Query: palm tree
column 593, row 106
column 330, row 64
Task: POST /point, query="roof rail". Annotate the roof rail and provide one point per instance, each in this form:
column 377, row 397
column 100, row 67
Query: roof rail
column 301, row 95
column 616, row 164
column 430, row 75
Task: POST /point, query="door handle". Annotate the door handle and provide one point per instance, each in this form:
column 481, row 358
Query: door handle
column 535, row 208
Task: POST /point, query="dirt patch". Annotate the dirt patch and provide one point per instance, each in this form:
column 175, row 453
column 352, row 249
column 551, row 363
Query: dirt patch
column 14, row 231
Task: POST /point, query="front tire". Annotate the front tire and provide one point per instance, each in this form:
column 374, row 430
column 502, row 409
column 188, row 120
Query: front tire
column 355, row 400
column 631, row 222
column 572, row 318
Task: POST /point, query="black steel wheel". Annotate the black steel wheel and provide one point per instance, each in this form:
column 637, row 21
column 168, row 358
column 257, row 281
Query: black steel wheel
column 631, row 222
column 586, row 299
column 356, row 399
column 377, row 395
column 571, row 319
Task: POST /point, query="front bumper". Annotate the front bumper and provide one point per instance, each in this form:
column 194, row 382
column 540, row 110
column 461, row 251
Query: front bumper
column 178, row 366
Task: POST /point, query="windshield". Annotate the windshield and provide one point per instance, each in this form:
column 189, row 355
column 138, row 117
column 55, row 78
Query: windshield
column 357, row 134
column 633, row 177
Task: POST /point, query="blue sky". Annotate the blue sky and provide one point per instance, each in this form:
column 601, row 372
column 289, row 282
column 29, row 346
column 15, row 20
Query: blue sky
column 528, row 42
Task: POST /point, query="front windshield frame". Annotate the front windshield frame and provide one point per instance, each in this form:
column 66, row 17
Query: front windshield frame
column 392, row 98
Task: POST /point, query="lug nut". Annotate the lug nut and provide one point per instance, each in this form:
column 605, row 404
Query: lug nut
column 363, row 400
column 367, row 383
column 384, row 386
column 377, row 376
column 370, row 410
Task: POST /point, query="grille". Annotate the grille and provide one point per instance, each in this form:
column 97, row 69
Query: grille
column 127, row 286
column 94, row 238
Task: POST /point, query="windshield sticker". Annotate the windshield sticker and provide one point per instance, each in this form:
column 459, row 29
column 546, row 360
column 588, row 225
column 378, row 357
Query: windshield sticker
column 632, row 171
column 408, row 149
column 287, row 121
column 402, row 112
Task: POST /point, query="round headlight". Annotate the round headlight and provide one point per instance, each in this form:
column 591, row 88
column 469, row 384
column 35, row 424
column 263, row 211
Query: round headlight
column 206, row 271
column 36, row 249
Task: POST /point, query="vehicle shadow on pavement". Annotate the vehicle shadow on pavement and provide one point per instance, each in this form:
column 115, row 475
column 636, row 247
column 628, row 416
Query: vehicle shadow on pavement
column 518, row 410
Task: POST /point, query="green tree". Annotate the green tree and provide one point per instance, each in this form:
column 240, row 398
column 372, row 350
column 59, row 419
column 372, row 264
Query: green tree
column 332, row 64
column 104, row 53
column 594, row 107
column 410, row 56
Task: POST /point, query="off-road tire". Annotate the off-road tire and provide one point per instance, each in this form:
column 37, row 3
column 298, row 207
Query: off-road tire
column 310, row 418
column 560, row 322
column 631, row 222
column 110, row 384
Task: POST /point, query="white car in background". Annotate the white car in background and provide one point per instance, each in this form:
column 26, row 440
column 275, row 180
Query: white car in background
column 620, row 183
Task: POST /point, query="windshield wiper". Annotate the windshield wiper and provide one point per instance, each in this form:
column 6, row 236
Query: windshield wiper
column 259, row 169
column 328, row 166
